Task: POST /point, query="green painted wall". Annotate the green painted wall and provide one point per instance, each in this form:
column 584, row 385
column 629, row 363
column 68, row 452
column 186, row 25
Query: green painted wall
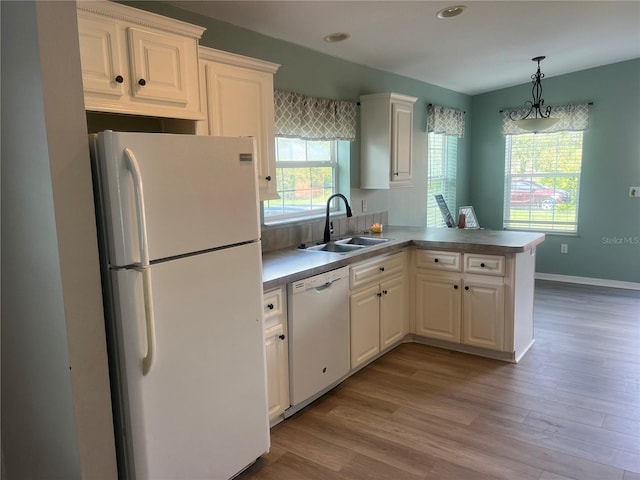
column 315, row 74
column 607, row 245
column 611, row 148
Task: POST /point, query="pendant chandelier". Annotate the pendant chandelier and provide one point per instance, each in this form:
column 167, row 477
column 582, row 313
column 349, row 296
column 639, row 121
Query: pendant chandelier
column 536, row 118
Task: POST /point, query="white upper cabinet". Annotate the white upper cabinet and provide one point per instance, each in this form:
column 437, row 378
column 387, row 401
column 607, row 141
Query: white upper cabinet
column 386, row 129
column 138, row 63
column 103, row 67
column 237, row 96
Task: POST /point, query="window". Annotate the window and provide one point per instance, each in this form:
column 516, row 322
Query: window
column 307, row 174
column 441, row 177
column 543, row 181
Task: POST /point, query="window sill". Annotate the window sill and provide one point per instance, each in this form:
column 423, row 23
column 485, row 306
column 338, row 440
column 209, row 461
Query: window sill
column 546, row 232
column 288, row 222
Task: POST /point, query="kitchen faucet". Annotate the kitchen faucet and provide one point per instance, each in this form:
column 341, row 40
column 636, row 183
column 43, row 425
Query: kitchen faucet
column 327, row 230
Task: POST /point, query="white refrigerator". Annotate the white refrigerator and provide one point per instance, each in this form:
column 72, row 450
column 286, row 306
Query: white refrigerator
column 182, row 274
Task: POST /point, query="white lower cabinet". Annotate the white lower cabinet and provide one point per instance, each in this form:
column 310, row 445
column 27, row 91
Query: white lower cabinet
column 483, row 314
column 277, row 353
column 438, row 307
column 393, row 314
column 378, row 306
column 365, row 325
column 466, row 308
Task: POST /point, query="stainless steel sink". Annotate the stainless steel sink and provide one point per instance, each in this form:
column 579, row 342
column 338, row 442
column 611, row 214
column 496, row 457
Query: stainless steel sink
column 334, row 247
column 346, row 245
column 362, row 241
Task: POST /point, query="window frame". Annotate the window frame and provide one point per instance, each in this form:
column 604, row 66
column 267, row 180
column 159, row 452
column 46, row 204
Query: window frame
column 334, row 164
column 449, row 163
column 534, row 206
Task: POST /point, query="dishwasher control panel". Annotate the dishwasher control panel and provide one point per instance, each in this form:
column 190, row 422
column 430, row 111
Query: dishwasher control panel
column 319, row 280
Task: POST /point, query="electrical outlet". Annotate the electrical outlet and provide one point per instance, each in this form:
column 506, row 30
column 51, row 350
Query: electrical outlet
column 634, row 192
column 564, row 248
column 364, row 206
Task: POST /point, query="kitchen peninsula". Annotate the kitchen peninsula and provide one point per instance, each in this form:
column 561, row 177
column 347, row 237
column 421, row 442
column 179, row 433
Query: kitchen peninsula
column 460, row 289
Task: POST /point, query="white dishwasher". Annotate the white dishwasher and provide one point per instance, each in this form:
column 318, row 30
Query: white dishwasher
column 318, row 333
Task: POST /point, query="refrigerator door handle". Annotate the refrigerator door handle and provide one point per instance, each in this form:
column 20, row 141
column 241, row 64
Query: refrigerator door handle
column 147, row 361
column 143, row 266
column 132, row 163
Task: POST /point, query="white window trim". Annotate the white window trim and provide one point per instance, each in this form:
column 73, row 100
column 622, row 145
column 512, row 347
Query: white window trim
column 449, row 194
column 336, row 208
column 508, row 224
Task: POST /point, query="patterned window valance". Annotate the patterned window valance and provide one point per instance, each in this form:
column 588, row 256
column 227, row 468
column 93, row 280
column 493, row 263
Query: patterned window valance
column 445, row 120
column 299, row 116
column 572, row 118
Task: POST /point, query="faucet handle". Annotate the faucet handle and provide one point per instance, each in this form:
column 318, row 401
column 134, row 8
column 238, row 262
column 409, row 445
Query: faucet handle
column 331, row 227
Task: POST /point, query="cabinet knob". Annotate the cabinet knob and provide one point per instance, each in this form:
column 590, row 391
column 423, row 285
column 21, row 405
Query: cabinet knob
column 435, row 260
column 382, row 269
column 268, row 178
column 270, row 306
column 281, row 337
column 119, row 79
column 384, row 291
column 378, row 294
column 142, row 82
column 396, row 174
column 455, row 287
column 466, row 288
column 482, row 265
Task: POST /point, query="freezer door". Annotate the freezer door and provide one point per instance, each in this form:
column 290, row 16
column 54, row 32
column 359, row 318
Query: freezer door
column 201, row 411
column 199, row 193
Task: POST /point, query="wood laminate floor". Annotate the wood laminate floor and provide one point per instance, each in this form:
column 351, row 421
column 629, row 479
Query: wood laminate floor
column 569, row 410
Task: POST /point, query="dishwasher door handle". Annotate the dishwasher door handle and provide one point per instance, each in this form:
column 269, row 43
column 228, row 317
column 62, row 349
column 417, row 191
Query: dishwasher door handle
column 326, row 285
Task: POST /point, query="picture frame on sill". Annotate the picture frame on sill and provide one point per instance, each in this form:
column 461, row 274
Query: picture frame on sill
column 471, row 221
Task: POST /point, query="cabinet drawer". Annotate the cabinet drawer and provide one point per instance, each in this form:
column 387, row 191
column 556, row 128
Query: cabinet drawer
column 273, row 302
column 438, row 260
column 484, row 264
column 376, row 270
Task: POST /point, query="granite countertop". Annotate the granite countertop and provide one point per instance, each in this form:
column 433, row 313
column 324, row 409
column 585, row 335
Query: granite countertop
column 291, row 264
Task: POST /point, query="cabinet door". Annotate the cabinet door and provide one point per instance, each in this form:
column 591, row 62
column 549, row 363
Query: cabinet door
column 277, row 370
column 103, row 69
column 392, row 312
column 365, row 325
column 438, row 307
column 158, row 66
column 483, row 314
column 240, row 103
column 401, row 144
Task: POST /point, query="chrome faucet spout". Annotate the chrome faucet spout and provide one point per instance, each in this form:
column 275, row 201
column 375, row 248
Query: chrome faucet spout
column 327, row 230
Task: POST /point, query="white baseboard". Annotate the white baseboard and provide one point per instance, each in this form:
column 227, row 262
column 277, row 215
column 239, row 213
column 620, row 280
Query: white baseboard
column 600, row 282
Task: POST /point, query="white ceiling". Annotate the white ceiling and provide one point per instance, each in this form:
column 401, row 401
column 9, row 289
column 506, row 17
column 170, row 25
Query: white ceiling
column 488, row 47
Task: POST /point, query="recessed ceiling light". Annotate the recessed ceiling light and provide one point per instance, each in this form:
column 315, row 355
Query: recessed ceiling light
column 451, row 11
column 336, row 37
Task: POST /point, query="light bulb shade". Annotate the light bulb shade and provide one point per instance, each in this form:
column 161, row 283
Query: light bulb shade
column 536, row 124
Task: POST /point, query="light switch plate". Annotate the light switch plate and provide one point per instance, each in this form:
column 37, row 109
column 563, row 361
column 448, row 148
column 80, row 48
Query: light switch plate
column 634, row 192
